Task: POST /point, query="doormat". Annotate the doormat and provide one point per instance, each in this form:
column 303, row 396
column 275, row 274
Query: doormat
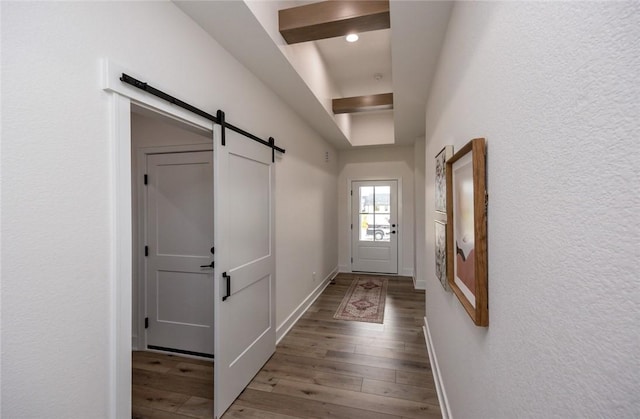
column 364, row 301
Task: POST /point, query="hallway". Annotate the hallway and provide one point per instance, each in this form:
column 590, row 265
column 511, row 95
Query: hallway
column 323, row 368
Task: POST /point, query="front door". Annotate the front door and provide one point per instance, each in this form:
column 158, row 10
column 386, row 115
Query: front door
column 245, row 264
column 180, row 240
column 374, row 226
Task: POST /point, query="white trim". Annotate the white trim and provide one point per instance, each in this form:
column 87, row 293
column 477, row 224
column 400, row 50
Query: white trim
column 290, row 321
column 121, row 264
column 344, row 268
column 419, row 284
column 167, row 149
column 134, row 343
column 437, row 377
column 111, row 73
column 121, row 269
column 407, row 272
column 401, row 227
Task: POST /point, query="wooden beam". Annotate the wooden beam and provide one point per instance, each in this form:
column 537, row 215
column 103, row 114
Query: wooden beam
column 329, row 19
column 354, row 104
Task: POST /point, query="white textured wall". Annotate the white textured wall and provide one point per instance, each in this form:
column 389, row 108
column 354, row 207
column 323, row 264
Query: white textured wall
column 421, row 216
column 555, row 89
column 306, row 219
column 57, row 192
column 377, row 163
column 372, row 128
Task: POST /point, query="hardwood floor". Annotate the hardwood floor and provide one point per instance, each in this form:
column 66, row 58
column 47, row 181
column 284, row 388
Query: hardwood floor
column 323, row 368
column 171, row 387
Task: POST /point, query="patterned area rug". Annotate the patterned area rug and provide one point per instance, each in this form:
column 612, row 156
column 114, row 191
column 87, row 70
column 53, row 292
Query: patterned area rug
column 364, row 301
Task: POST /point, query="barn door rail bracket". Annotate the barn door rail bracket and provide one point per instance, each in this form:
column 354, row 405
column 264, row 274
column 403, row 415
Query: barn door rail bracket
column 218, row 119
column 220, row 116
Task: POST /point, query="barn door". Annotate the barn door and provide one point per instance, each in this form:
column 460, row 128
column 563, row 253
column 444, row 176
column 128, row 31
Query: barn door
column 245, row 335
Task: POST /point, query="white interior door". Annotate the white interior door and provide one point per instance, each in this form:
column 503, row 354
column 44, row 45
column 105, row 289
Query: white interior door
column 245, row 264
column 180, row 240
column 374, row 206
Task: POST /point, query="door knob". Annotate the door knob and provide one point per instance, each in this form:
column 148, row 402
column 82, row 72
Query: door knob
column 208, row 266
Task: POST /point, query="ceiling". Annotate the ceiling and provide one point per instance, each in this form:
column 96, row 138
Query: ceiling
column 352, row 65
column 405, row 56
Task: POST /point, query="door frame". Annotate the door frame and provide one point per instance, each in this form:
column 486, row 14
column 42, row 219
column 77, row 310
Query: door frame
column 121, row 96
column 350, row 217
column 140, row 237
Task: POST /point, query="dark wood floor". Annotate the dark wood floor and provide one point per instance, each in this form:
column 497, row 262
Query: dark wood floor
column 167, row 386
column 323, row 368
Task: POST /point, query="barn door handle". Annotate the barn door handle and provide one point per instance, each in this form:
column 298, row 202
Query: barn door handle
column 228, row 278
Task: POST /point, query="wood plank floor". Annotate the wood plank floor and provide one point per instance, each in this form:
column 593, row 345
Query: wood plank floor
column 323, row 368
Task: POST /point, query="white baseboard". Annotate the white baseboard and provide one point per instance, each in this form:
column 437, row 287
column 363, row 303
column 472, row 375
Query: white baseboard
column 437, row 377
column 134, row 343
column 286, row 325
column 419, row 284
column 407, row 272
column 344, row 268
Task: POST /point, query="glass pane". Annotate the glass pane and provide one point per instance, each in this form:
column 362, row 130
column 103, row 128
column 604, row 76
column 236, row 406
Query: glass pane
column 381, row 229
column 366, row 199
column 366, row 234
column 382, row 199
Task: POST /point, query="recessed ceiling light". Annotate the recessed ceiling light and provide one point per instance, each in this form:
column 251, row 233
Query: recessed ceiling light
column 352, row 37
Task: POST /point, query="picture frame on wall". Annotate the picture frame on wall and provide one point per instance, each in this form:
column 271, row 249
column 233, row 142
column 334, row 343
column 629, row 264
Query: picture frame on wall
column 467, row 229
column 441, row 253
column 441, row 180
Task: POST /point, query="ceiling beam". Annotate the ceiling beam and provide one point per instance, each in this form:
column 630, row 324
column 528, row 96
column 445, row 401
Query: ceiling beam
column 329, row 19
column 354, row 104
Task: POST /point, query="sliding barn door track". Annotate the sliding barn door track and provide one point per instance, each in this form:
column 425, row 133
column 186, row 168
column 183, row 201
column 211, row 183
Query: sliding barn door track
column 219, row 118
